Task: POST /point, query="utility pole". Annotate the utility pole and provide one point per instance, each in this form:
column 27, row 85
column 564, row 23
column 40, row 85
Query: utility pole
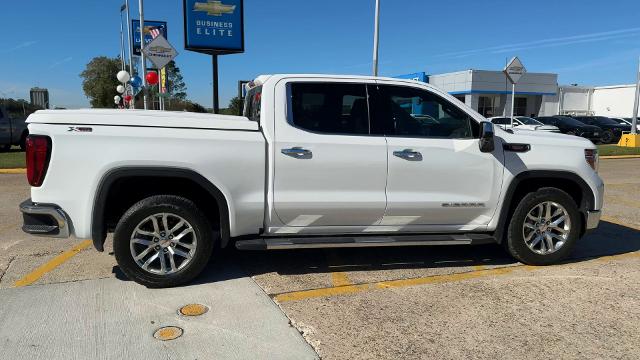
column 376, row 37
column 132, row 102
column 634, row 122
column 142, row 57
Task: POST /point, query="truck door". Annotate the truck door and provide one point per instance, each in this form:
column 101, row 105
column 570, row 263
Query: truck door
column 438, row 178
column 329, row 171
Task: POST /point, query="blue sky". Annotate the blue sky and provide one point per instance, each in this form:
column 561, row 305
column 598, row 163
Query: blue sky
column 595, row 42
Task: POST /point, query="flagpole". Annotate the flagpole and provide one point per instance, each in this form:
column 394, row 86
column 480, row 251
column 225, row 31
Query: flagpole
column 142, row 57
column 121, row 42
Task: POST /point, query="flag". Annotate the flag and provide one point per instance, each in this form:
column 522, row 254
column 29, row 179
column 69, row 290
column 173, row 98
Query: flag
column 124, row 6
column 154, row 31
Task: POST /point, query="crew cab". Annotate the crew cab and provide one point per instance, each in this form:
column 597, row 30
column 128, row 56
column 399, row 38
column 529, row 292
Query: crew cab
column 13, row 130
column 316, row 161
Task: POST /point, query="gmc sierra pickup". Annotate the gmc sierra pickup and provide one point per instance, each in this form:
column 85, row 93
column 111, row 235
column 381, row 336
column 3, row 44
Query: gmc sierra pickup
column 316, row 161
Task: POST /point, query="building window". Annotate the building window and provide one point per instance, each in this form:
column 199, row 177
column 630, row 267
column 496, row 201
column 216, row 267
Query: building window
column 520, row 107
column 487, row 106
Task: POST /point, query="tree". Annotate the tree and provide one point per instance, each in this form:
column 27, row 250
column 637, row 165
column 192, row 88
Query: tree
column 236, row 105
column 99, row 81
column 18, row 108
column 175, row 83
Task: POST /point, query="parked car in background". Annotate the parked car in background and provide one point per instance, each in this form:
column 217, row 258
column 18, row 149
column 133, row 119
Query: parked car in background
column 523, row 122
column 571, row 126
column 622, row 121
column 611, row 129
column 13, row 130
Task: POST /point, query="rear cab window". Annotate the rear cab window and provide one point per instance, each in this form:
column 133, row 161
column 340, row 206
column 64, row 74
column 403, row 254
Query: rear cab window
column 329, row 108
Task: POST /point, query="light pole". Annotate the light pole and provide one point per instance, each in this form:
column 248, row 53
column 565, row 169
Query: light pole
column 132, row 103
column 142, row 57
column 122, row 39
column 376, row 36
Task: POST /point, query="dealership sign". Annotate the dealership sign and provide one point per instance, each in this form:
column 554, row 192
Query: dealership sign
column 514, row 70
column 160, row 52
column 214, row 26
column 151, row 30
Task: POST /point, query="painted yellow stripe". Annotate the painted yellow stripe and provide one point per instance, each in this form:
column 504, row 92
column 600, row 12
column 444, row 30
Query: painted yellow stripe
column 620, row 157
column 54, row 263
column 13, row 171
column 435, row 279
column 317, row 293
column 340, row 279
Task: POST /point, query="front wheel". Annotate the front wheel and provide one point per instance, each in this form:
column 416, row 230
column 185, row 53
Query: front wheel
column 163, row 241
column 544, row 227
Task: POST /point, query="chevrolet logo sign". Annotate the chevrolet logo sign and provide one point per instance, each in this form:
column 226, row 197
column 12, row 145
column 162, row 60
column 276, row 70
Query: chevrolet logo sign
column 214, row 8
column 159, row 49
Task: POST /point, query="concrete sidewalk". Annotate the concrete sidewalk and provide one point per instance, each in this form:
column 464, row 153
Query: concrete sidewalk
column 115, row 319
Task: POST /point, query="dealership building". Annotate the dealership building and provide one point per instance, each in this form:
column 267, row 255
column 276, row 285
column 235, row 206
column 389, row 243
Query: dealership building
column 536, row 94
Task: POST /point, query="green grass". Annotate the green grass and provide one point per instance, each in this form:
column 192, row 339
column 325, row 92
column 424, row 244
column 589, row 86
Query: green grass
column 609, row 150
column 12, row 159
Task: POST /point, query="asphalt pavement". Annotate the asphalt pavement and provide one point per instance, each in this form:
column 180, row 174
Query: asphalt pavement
column 59, row 298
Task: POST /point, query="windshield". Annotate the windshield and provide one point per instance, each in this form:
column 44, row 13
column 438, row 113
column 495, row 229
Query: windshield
column 528, row 121
column 601, row 120
column 569, row 121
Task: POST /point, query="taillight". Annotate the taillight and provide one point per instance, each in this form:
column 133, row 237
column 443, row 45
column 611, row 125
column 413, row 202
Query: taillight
column 38, row 153
column 591, row 155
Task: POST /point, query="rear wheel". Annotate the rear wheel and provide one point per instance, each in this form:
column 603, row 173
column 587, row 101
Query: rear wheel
column 544, row 227
column 607, row 137
column 163, row 241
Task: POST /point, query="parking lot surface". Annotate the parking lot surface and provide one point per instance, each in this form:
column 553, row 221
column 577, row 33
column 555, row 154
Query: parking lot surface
column 418, row 302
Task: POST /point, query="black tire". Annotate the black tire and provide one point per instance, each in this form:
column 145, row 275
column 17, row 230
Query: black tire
column 515, row 242
column 607, row 137
column 145, row 208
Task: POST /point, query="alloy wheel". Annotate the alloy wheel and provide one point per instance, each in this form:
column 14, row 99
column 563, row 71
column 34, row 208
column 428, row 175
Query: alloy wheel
column 546, row 227
column 163, row 243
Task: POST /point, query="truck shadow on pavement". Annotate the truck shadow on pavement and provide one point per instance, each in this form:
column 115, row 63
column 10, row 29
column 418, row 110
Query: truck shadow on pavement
column 609, row 239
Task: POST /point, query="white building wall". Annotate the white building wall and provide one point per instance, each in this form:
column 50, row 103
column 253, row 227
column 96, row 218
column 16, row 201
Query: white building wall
column 613, row 101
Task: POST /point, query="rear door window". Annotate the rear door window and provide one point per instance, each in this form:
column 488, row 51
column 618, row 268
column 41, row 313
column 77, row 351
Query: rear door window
column 329, row 108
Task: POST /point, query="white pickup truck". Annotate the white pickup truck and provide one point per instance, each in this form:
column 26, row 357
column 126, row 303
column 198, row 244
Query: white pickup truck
column 316, row 161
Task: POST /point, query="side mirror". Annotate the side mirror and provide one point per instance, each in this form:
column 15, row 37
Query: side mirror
column 487, row 143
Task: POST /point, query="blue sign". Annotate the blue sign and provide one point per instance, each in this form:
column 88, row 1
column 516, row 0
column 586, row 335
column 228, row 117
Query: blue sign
column 419, row 76
column 151, row 30
column 214, row 26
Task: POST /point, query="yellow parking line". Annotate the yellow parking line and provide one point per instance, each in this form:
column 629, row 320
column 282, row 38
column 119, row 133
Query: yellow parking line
column 435, row 279
column 13, row 171
column 620, row 157
column 54, row 263
column 340, row 279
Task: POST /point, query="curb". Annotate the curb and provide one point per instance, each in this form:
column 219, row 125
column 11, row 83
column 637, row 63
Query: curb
column 620, row 157
column 13, row 171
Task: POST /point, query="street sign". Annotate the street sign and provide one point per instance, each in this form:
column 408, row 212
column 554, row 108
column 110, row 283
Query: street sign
column 160, row 52
column 150, row 27
column 514, row 70
column 214, row 26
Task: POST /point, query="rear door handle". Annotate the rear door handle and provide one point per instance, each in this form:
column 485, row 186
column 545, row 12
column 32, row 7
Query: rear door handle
column 297, row 152
column 408, row 154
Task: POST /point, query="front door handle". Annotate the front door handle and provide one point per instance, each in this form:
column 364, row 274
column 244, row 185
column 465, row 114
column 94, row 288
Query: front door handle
column 298, row 153
column 408, row 154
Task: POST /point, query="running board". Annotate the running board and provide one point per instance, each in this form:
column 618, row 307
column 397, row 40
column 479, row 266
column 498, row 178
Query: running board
column 277, row 243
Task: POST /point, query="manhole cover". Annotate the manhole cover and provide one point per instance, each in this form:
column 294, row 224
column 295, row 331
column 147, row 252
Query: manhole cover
column 168, row 333
column 193, row 310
